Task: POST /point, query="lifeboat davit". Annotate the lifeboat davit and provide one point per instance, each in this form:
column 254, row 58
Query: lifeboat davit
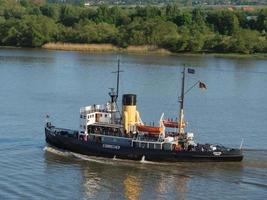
column 149, row 129
column 173, row 124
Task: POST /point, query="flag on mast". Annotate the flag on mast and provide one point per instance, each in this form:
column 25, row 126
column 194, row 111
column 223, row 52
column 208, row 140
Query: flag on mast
column 202, row 85
column 190, row 71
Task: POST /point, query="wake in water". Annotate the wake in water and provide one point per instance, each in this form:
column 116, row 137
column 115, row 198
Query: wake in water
column 101, row 160
column 252, row 158
column 93, row 159
column 143, row 160
column 65, row 153
column 57, row 151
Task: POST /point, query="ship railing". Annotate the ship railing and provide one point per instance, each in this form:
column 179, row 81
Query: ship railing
column 93, row 111
column 92, row 108
column 116, row 134
column 147, row 139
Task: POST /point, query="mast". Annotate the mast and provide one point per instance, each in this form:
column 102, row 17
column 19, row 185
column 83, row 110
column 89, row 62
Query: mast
column 118, row 80
column 114, row 94
column 181, row 101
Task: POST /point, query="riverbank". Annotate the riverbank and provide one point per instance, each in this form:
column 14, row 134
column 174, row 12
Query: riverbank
column 105, row 48
column 144, row 49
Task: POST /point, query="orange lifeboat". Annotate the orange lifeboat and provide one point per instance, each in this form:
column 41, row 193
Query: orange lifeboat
column 173, row 124
column 149, row 129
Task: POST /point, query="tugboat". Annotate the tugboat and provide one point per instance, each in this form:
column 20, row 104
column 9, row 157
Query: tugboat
column 107, row 132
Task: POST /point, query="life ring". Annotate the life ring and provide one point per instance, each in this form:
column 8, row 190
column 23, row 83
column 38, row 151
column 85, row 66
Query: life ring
column 177, row 147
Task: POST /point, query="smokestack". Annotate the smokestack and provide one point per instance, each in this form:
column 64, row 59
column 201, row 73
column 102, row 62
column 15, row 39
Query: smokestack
column 130, row 114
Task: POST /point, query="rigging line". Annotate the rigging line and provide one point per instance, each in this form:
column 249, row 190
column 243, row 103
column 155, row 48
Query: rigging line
column 191, row 87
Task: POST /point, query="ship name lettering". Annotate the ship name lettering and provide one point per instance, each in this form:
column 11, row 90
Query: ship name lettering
column 109, row 146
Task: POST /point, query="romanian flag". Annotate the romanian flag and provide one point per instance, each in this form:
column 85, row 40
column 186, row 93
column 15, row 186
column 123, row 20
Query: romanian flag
column 202, row 85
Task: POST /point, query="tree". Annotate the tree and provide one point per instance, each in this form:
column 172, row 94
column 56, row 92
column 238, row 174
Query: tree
column 171, row 10
column 148, row 12
column 51, row 11
column 31, row 31
column 163, row 33
column 245, row 41
column 262, row 20
column 198, row 17
column 13, row 11
column 224, row 22
column 69, row 15
column 183, row 18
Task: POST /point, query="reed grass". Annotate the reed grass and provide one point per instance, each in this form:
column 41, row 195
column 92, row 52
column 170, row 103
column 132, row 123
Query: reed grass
column 141, row 49
column 105, row 48
column 146, row 49
column 80, row 47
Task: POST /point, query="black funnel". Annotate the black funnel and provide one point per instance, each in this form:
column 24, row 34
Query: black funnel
column 129, row 99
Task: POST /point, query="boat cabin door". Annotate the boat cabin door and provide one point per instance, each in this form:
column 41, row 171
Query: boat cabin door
column 97, row 117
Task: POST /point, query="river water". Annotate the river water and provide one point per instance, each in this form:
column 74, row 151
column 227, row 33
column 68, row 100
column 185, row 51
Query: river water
column 34, row 83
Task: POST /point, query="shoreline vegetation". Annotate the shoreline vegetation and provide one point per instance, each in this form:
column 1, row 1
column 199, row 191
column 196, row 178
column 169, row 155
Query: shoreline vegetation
column 168, row 29
column 145, row 49
column 105, row 48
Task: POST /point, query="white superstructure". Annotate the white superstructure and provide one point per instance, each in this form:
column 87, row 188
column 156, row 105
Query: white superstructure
column 92, row 115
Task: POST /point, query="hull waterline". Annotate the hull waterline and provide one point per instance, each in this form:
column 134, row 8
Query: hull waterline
column 92, row 148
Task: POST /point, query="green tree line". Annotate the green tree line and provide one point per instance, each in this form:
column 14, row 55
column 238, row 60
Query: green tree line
column 28, row 23
column 162, row 2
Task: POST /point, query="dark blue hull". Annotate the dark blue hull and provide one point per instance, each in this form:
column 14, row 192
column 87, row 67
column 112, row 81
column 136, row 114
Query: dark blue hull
column 94, row 148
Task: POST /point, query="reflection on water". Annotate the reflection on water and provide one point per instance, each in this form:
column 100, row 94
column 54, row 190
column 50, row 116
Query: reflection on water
column 127, row 179
column 132, row 187
column 181, row 187
column 170, row 184
column 91, row 183
column 119, row 179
